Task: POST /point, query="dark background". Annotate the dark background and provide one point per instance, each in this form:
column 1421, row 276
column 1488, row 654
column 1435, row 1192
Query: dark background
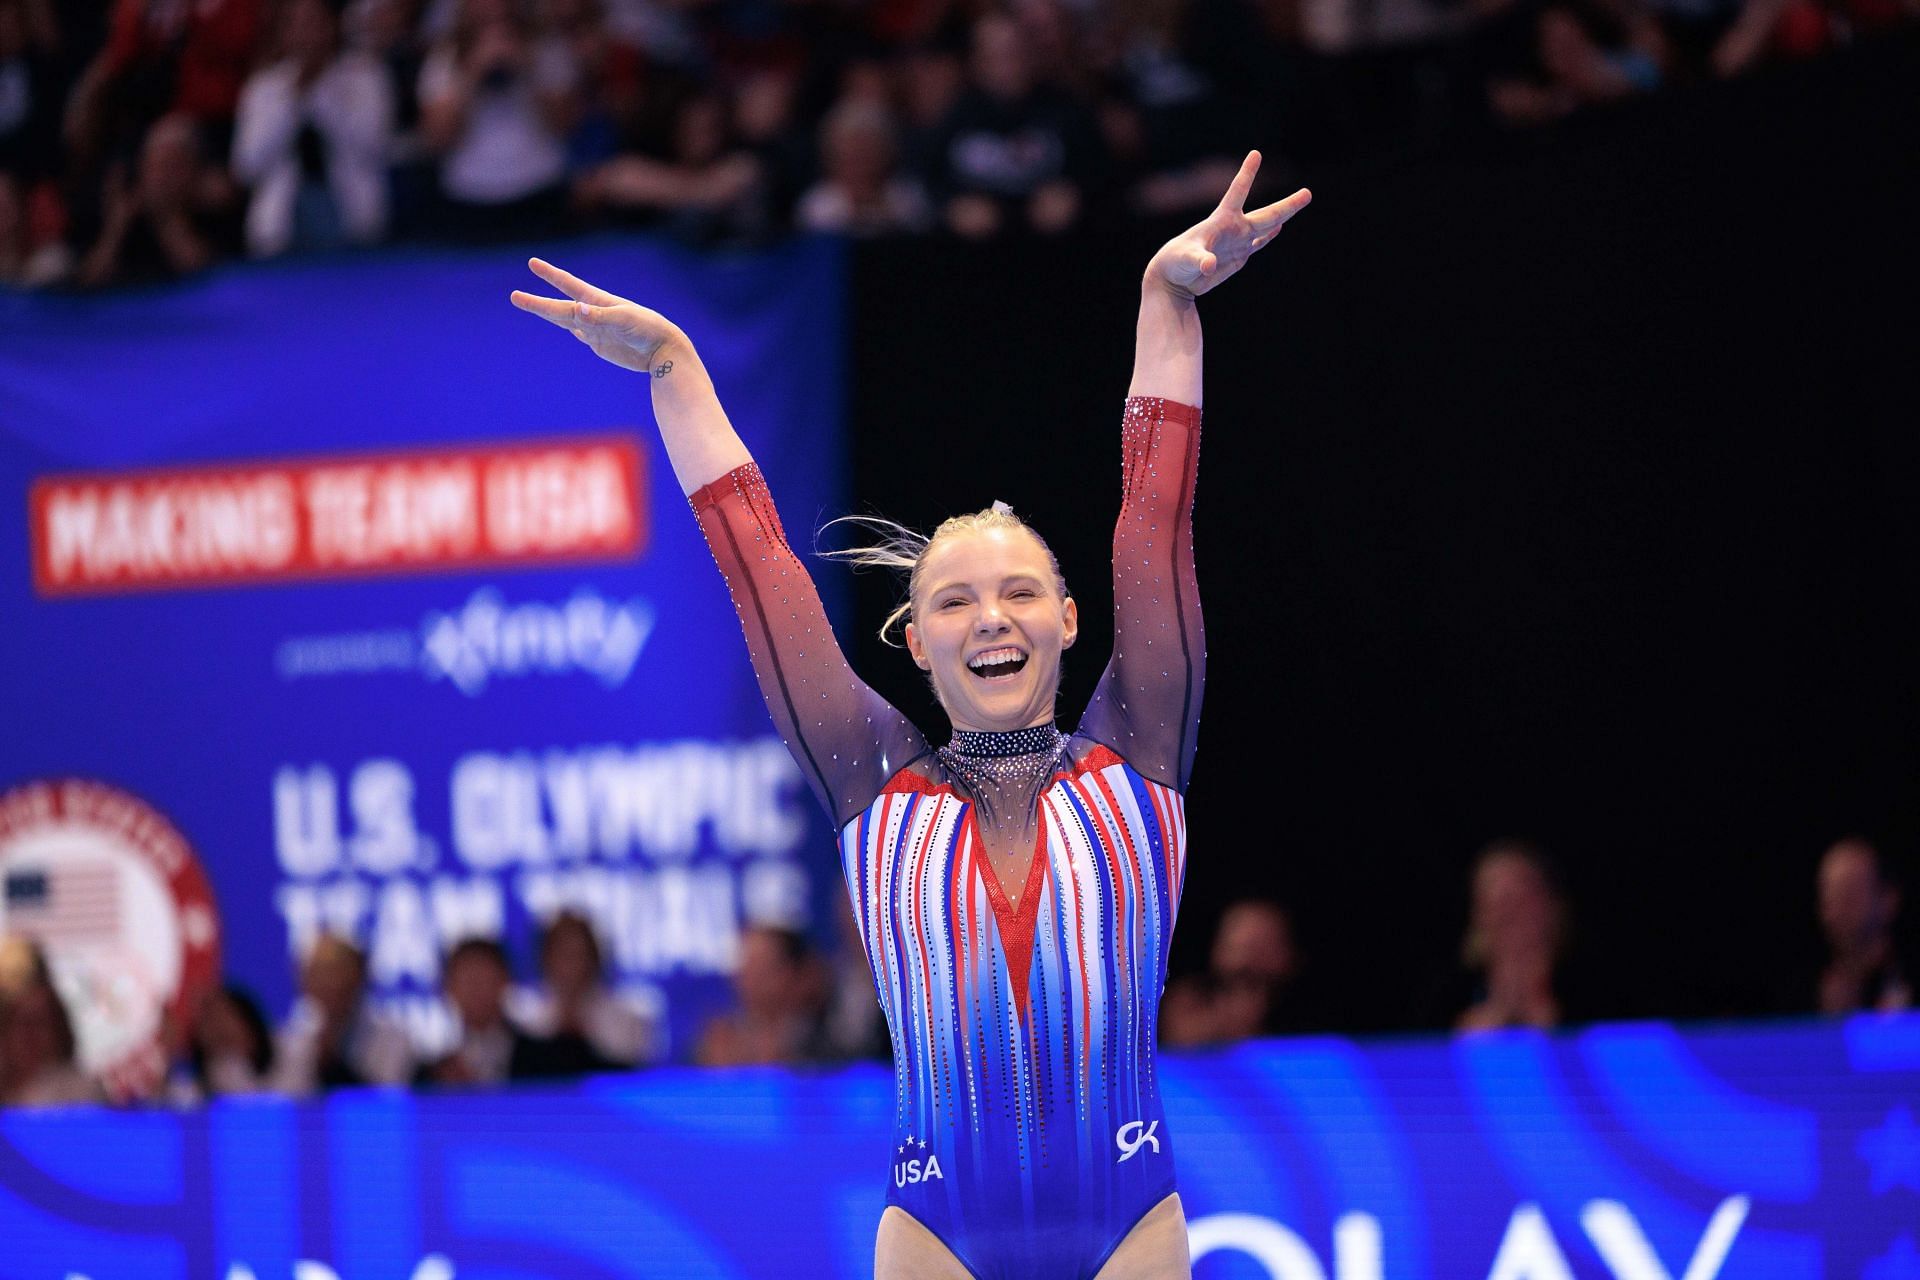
column 1556, row 487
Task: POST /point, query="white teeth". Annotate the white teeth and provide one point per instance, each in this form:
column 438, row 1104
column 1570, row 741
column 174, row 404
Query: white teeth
column 994, row 657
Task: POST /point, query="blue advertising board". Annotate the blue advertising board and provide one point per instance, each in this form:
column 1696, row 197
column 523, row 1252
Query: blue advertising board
column 340, row 595
column 1632, row 1152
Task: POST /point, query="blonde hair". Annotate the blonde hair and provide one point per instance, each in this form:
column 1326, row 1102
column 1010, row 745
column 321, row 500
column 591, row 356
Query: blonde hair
column 904, row 551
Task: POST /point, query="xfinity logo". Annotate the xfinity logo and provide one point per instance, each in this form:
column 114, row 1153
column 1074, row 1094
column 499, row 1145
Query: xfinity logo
column 1133, row 1135
column 487, row 639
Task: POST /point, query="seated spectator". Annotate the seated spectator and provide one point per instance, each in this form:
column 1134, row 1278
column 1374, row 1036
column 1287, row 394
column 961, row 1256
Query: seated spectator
column 707, row 191
column 497, row 105
column 311, row 139
column 162, row 217
column 1012, row 156
column 1584, row 55
column 861, row 192
column 1859, row 906
column 229, row 1049
column 489, row 1048
column 38, row 1053
column 1516, row 940
column 152, row 116
column 581, row 1025
column 1251, row 987
column 333, row 1039
column 777, row 989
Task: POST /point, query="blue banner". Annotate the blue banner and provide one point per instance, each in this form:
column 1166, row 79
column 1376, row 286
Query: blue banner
column 374, row 600
column 1636, row 1152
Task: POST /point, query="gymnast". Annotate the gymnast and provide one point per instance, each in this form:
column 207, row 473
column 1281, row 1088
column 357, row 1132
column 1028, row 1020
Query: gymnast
column 1015, row 888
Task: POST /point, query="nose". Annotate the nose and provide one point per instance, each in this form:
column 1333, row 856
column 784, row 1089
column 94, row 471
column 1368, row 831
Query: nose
column 991, row 620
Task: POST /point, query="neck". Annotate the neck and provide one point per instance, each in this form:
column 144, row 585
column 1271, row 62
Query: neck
column 1006, row 742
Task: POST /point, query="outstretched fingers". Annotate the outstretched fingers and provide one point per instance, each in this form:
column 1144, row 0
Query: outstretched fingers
column 571, row 285
column 568, row 315
column 1236, row 197
column 1268, row 220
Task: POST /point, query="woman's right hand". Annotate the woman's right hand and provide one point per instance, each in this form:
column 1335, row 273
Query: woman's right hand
column 620, row 332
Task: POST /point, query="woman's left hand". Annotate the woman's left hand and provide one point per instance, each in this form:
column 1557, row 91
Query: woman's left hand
column 1205, row 254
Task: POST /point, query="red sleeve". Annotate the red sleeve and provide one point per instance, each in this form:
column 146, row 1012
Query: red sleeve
column 1147, row 706
column 846, row 738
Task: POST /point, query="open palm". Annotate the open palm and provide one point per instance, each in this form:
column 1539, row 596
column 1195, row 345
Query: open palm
column 1199, row 258
column 621, row 332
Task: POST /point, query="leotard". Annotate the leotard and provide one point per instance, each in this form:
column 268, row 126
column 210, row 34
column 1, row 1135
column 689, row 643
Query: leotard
column 1028, row 1133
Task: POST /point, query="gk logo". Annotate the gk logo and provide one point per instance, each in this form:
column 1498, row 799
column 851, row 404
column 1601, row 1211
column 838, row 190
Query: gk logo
column 1133, row 1135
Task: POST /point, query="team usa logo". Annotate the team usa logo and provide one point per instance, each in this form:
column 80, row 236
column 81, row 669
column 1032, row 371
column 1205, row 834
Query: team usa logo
column 120, row 906
column 909, row 1168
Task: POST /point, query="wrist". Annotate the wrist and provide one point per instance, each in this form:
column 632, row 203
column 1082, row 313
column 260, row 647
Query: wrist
column 1156, row 289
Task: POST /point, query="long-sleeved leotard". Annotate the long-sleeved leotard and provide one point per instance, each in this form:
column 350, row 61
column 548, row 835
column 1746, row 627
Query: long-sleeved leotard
column 1028, row 1132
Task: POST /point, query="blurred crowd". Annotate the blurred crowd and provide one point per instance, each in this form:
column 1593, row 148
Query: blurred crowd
column 796, row 1004
column 145, row 139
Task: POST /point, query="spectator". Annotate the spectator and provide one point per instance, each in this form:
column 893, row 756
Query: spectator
column 1012, row 155
column 489, row 1048
column 229, row 1049
column 1251, row 987
column 861, row 191
column 852, row 1024
column 165, row 59
column 312, row 138
column 777, row 1019
column 332, row 1038
column 497, row 105
column 1583, row 55
column 1859, row 905
column 38, row 1053
column 579, row 1022
column 162, row 218
column 1799, row 29
column 706, row 192
column 1516, row 940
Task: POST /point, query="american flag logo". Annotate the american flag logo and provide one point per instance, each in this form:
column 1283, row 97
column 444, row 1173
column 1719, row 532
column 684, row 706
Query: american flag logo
column 78, row 902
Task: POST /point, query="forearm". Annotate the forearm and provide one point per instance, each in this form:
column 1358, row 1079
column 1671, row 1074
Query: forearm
column 1167, row 346
column 700, row 442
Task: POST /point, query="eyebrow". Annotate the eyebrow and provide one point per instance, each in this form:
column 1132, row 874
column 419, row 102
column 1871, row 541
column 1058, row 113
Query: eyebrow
column 1011, row 578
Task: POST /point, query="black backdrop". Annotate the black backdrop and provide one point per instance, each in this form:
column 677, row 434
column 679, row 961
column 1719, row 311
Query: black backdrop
column 1555, row 484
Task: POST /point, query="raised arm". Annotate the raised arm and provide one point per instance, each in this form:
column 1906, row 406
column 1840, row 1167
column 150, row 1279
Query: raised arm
column 1147, row 707
column 847, row 740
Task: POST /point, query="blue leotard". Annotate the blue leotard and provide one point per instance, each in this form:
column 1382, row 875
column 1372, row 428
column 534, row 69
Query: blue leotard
column 1028, row 1132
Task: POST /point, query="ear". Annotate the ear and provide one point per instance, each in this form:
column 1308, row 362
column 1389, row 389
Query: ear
column 918, row 650
column 1070, row 617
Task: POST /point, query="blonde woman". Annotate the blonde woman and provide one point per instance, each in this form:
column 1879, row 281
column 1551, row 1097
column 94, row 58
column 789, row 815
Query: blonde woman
column 1016, row 887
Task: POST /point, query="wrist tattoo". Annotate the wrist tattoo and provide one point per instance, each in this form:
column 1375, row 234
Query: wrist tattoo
column 666, row 367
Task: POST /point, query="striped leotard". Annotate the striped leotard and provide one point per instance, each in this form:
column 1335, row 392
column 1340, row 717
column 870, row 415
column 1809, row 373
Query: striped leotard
column 1028, row 1133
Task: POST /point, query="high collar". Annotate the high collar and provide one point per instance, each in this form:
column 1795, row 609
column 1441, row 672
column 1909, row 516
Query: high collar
column 975, row 744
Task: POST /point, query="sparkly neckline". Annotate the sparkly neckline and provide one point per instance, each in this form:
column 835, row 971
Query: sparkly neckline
column 974, row 744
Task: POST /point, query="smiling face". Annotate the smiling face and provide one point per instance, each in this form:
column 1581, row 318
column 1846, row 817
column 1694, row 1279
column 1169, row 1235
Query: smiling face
column 990, row 621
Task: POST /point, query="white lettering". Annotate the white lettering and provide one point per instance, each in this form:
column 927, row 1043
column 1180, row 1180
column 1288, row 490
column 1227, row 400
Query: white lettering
column 1620, row 1242
column 1357, row 1247
column 1528, row 1251
column 1284, row 1254
column 385, row 839
column 305, row 820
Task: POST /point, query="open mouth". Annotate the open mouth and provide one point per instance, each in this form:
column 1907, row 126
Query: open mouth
column 997, row 664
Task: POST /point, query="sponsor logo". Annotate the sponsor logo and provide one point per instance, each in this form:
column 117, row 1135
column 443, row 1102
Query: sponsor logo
column 487, row 639
column 119, row 904
column 914, row 1168
column 1143, row 1133
column 418, row 510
